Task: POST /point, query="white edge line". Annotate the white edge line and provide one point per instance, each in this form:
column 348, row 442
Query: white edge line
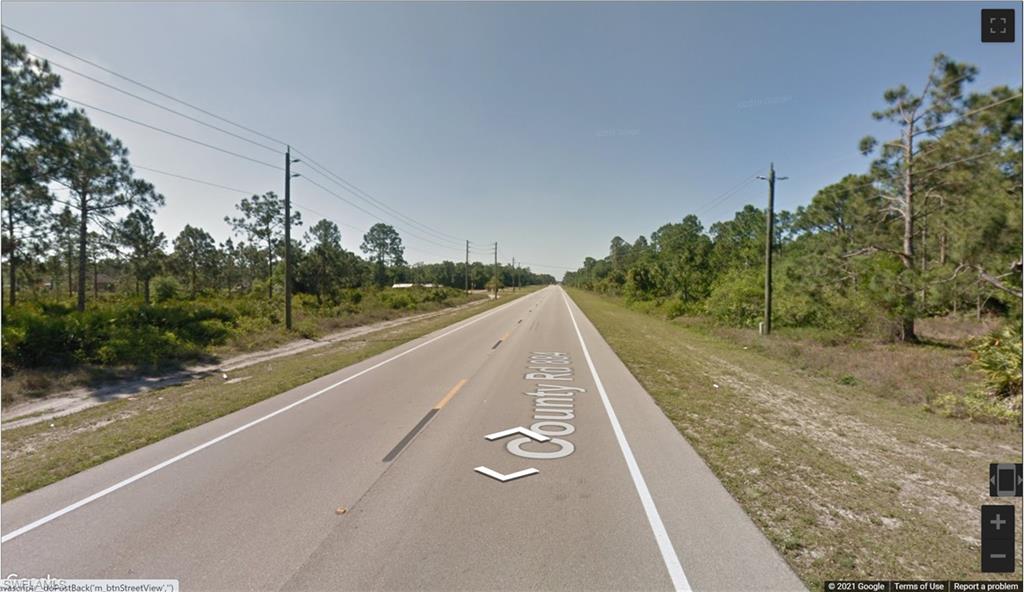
column 50, row 517
column 668, row 552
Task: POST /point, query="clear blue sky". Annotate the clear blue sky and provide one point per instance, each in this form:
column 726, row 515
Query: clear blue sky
column 547, row 127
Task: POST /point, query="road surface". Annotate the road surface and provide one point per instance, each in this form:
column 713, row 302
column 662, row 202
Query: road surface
column 379, row 477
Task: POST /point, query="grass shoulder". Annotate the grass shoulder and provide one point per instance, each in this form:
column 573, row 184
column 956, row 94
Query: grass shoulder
column 849, row 478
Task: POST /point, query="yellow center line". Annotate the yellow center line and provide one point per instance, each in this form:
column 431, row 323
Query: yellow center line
column 450, row 394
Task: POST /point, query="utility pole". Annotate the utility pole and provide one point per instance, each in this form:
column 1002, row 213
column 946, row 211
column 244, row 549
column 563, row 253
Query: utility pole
column 515, row 275
column 495, row 270
column 467, row 267
column 766, row 324
column 288, row 236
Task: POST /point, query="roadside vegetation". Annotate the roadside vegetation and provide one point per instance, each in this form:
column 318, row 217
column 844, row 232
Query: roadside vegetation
column 92, row 290
column 45, row 452
column 827, row 443
column 49, row 346
column 929, row 236
column 858, row 434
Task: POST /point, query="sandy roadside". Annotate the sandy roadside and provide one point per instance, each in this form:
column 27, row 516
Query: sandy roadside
column 77, row 399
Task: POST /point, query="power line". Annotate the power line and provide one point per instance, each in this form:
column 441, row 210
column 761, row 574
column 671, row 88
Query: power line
column 326, row 217
column 240, row 156
column 347, row 185
column 145, row 86
column 376, row 217
column 966, row 115
column 355, row 190
column 211, row 184
column 299, row 206
column 528, row 264
column 940, row 166
column 216, row 148
column 721, row 198
column 356, row 228
column 170, row 133
column 371, row 214
column 165, row 108
column 432, row 254
column 868, row 182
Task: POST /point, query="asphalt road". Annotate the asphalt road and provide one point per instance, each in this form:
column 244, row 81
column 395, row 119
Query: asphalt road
column 373, row 478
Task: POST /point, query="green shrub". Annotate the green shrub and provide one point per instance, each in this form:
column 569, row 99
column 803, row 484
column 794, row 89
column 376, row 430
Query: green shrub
column 33, row 338
column 976, row 407
column 124, row 331
column 398, row 300
column 112, row 333
column 247, row 325
column 306, row 328
column 737, row 298
column 166, row 288
column 1000, row 357
column 642, row 281
column 438, row 295
column 644, row 306
column 676, row 307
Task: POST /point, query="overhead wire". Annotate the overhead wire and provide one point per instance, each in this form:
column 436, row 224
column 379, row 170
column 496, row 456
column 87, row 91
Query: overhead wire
column 142, row 85
column 327, row 173
column 355, row 190
column 164, row 107
column 371, row 214
column 294, row 204
column 194, row 180
column 168, row 132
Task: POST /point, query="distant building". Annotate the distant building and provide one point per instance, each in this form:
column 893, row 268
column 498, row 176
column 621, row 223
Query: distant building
column 415, row 285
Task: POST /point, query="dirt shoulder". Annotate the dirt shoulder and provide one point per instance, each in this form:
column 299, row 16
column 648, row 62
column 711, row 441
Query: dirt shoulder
column 846, row 483
column 62, row 403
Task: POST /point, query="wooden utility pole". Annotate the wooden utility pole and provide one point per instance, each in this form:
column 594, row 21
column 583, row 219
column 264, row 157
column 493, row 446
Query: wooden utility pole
column 515, row 275
column 495, row 270
column 467, row 267
column 288, row 236
column 766, row 325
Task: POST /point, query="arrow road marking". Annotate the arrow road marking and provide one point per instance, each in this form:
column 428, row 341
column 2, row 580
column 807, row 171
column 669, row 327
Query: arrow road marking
column 506, row 478
column 518, row 430
column 87, row 500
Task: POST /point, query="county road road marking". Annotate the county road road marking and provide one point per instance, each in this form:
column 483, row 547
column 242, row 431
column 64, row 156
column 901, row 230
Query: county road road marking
column 506, row 478
column 71, row 508
column 517, row 430
column 668, row 553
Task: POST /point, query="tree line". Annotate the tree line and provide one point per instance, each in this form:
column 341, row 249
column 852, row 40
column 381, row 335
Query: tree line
column 75, row 210
column 933, row 227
